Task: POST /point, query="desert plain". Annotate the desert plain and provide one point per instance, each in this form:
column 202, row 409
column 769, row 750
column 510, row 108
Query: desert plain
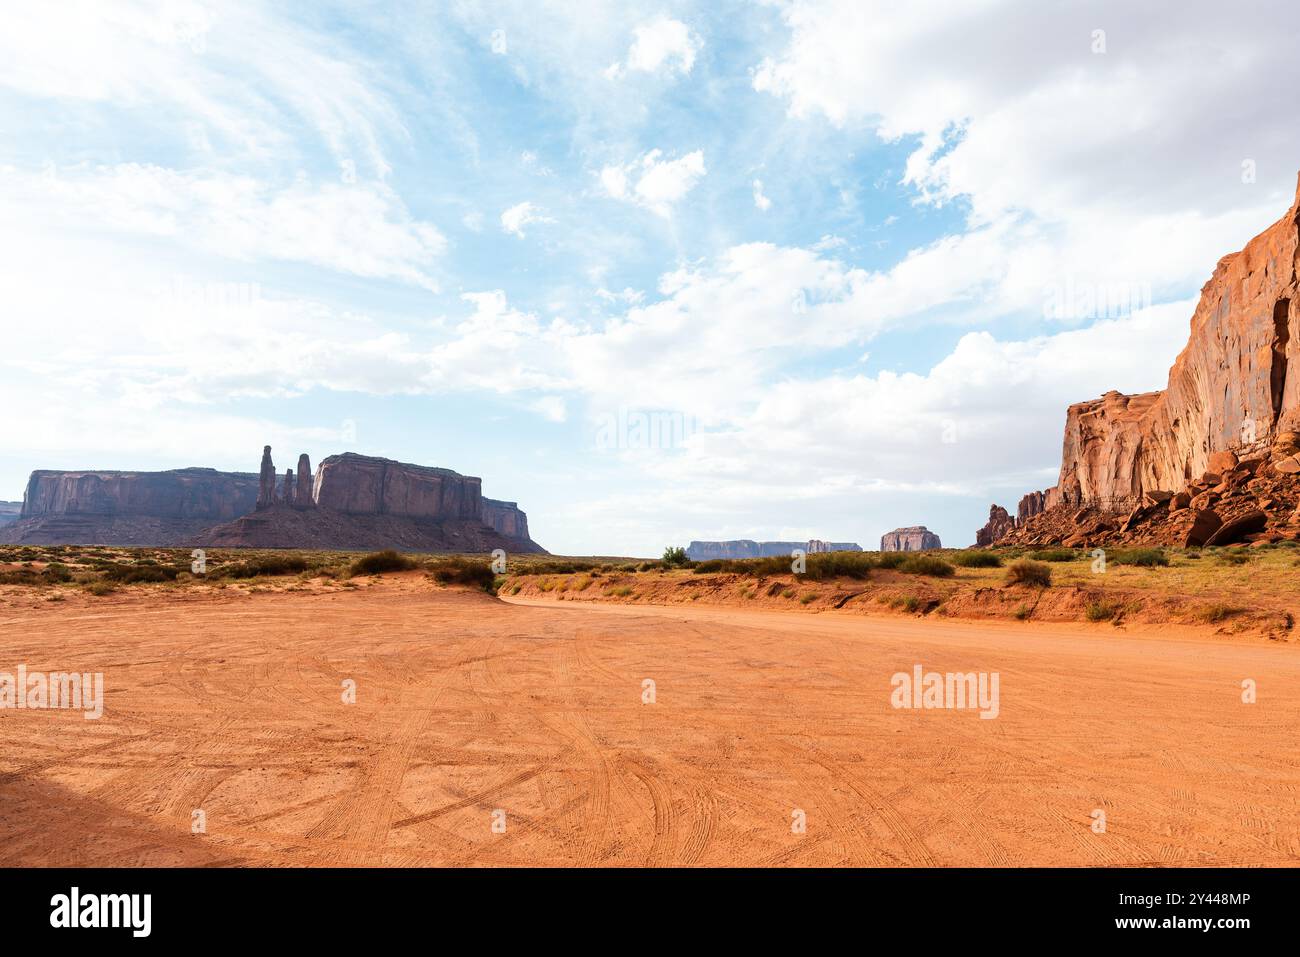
column 395, row 719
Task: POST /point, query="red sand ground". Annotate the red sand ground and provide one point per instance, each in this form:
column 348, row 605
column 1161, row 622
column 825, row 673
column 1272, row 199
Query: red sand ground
column 467, row 705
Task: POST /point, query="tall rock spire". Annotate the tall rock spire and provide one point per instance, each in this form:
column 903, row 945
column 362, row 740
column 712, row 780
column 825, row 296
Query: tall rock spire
column 303, row 497
column 266, row 483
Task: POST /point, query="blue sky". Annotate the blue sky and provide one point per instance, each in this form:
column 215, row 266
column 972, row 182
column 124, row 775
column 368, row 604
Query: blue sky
column 810, row 242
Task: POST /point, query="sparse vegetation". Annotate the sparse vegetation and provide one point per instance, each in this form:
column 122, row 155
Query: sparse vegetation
column 674, row 557
column 463, row 571
column 1140, row 557
column 976, row 558
column 1100, row 611
column 379, row 562
column 1024, row 571
column 927, row 565
column 1056, row 555
column 1216, row 612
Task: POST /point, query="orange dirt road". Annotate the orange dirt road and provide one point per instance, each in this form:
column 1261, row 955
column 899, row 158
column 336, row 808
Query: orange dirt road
column 495, row 733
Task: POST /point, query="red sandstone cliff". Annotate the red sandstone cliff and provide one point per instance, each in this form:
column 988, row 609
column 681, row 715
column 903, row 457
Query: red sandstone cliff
column 1232, row 393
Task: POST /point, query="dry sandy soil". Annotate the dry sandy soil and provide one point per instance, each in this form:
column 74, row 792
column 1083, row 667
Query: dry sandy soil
column 232, row 703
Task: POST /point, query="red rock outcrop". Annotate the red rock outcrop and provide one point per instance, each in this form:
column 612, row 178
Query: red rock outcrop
column 353, row 502
column 914, row 538
column 505, row 517
column 365, row 485
column 1233, row 395
column 362, row 502
column 1000, row 523
column 266, row 481
column 128, row 508
column 305, row 488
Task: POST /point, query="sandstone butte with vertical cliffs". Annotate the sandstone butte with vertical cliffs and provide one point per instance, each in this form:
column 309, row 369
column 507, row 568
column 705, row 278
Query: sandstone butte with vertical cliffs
column 1213, row 458
column 352, row 502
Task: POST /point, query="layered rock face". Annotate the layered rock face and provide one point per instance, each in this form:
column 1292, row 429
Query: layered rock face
column 505, row 517
column 353, row 501
column 364, row 485
column 10, row 512
column 999, row 524
column 914, row 538
column 128, row 508
column 698, row 551
column 363, row 502
column 183, row 493
column 1233, row 394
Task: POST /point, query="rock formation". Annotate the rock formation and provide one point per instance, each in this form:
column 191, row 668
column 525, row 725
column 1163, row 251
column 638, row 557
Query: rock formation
column 998, row 525
column 914, row 538
column 10, row 512
column 505, row 517
column 305, row 489
column 363, row 502
column 128, row 508
column 365, row 485
column 266, row 483
column 1232, row 398
column 354, row 502
column 698, row 551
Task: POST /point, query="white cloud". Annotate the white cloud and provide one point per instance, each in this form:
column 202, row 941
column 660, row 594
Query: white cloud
column 760, row 200
column 362, row 229
column 514, row 219
column 661, row 44
column 654, row 182
column 238, row 74
column 1032, row 120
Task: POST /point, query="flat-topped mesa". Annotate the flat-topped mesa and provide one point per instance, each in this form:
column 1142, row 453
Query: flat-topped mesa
column 360, row 484
column 914, row 538
column 194, row 493
column 266, row 480
column 698, row 551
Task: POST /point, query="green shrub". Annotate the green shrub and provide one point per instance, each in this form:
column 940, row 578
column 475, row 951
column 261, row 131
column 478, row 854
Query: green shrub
column 1238, row 556
column 378, row 562
column 1056, row 555
column 976, row 558
column 674, row 557
column 1100, row 611
column 1143, row 557
column 1023, row 571
column 462, row 571
column 1217, row 612
column 911, row 603
column 927, row 565
column 263, row 565
column 889, row 559
column 135, row 574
